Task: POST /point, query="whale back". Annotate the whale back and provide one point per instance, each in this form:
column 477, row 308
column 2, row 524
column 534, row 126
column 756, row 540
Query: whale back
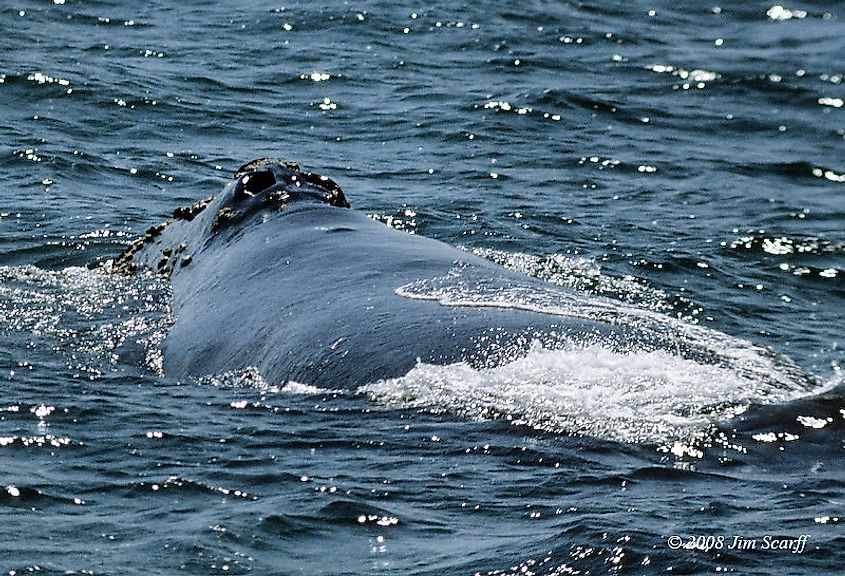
column 277, row 273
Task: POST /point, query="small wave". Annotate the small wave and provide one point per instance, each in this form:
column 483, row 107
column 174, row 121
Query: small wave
column 186, row 486
column 809, row 258
column 798, row 169
column 26, row 497
column 39, row 441
column 347, row 511
column 519, row 110
column 403, row 219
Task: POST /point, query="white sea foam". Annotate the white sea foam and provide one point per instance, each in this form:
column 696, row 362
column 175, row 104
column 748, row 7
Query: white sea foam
column 630, row 397
column 252, row 378
column 249, row 377
column 299, row 389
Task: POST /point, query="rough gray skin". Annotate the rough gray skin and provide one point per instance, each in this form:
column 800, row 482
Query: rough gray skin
column 278, row 273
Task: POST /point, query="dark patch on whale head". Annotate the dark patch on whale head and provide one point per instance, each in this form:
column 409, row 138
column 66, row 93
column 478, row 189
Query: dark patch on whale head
column 224, row 215
column 188, row 213
column 259, row 163
column 125, row 263
column 281, row 182
column 253, row 183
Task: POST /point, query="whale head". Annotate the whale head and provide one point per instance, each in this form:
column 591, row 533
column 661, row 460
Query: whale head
column 260, row 186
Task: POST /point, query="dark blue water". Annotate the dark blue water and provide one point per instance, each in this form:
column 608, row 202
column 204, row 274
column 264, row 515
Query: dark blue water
column 681, row 157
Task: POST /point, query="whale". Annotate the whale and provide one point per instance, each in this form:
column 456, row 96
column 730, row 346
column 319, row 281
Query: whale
column 278, row 273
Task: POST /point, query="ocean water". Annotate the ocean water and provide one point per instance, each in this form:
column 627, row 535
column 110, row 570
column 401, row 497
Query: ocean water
column 675, row 160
